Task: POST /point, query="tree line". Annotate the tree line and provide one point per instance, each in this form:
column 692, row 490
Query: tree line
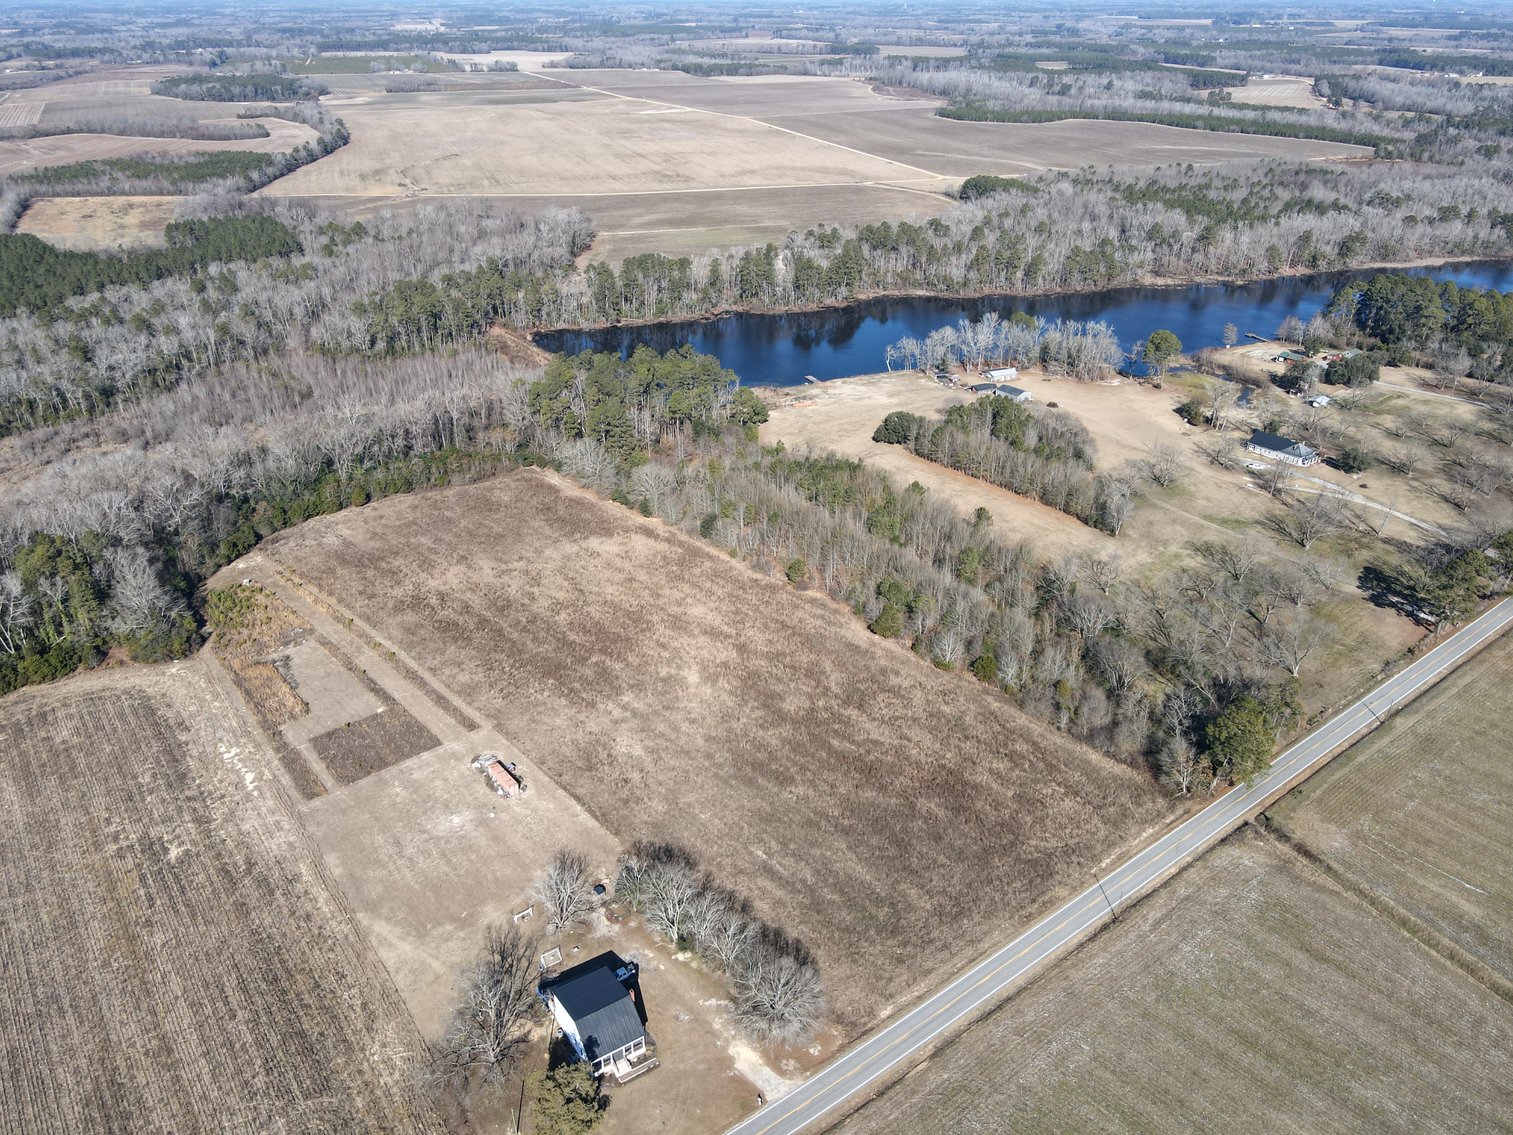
column 1395, row 309
column 37, row 277
column 221, row 86
column 1046, row 455
column 1085, row 351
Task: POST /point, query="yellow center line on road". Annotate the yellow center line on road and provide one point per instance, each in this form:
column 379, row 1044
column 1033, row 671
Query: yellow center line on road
column 912, row 1030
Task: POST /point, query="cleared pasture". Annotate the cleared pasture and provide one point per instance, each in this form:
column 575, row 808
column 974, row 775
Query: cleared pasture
column 916, row 136
column 451, row 144
column 173, row 956
column 669, row 162
column 90, row 224
column 1125, row 421
column 1278, row 90
column 19, row 155
column 893, row 816
column 1419, row 813
column 763, row 97
column 1249, row 994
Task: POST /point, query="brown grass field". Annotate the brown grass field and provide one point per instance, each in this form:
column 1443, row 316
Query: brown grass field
column 563, row 142
column 1249, row 994
column 669, row 161
column 1419, row 814
column 894, row 817
column 1278, row 90
column 173, row 956
column 89, row 224
column 18, row 155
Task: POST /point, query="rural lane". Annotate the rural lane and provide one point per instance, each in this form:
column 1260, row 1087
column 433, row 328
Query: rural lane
column 893, row 1046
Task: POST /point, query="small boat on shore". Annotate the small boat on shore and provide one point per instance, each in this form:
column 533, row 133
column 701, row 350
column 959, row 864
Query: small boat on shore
column 810, row 378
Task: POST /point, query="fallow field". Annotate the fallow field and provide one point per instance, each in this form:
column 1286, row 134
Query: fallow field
column 173, row 955
column 1249, row 994
column 893, row 816
column 671, row 162
column 89, row 224
column 1418, row 815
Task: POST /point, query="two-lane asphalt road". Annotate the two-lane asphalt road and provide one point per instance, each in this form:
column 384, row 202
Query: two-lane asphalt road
column 902, row 1039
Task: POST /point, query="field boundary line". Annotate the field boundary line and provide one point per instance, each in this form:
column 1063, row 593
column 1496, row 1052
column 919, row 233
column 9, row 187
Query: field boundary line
column 1419, row 930
column 633, row 192
column 461, row 714
column 774, row 126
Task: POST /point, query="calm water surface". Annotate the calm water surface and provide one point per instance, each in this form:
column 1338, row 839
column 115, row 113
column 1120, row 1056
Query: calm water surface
column 779, row 350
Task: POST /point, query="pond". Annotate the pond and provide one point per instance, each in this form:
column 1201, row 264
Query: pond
column 780, row 350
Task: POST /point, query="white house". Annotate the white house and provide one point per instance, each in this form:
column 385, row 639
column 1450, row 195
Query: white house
column 1280, row 448
column 597, row 1014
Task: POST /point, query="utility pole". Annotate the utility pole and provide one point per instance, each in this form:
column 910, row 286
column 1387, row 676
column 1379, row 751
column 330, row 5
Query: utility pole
column 1113, row 915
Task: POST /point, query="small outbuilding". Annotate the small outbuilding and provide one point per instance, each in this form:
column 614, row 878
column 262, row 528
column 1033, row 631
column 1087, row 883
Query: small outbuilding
column 1289, row 356
column 1003, row 374
column 1280, row 448
column 983, row 388
column 593, row 1006
column 1014, row 392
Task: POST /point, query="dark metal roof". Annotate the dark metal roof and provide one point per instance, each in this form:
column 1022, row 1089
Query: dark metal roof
column 1279, row 444
column 600, row 1006
column 1011, row 391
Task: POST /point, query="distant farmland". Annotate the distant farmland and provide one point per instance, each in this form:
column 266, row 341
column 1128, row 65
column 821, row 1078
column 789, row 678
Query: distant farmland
column 668, row 162
column 1249, row 994
column 893, row 816
column 173, row 957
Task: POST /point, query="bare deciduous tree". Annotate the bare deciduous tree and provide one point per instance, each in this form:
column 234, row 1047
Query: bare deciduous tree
column 1309, row 520
column 778, row 996
column 662, row 883
column 1163, row 465
column 498, row 996
column 1220, row 399
column 1184, row 771
column 565, row 889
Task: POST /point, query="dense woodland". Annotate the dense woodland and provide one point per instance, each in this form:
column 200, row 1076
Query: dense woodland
column 223, row 86
column 1465, row 330
column 37, row 277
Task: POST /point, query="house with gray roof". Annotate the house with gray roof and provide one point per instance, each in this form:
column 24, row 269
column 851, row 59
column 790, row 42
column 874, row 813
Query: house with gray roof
column 594, row 1007
column 1280, row 448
